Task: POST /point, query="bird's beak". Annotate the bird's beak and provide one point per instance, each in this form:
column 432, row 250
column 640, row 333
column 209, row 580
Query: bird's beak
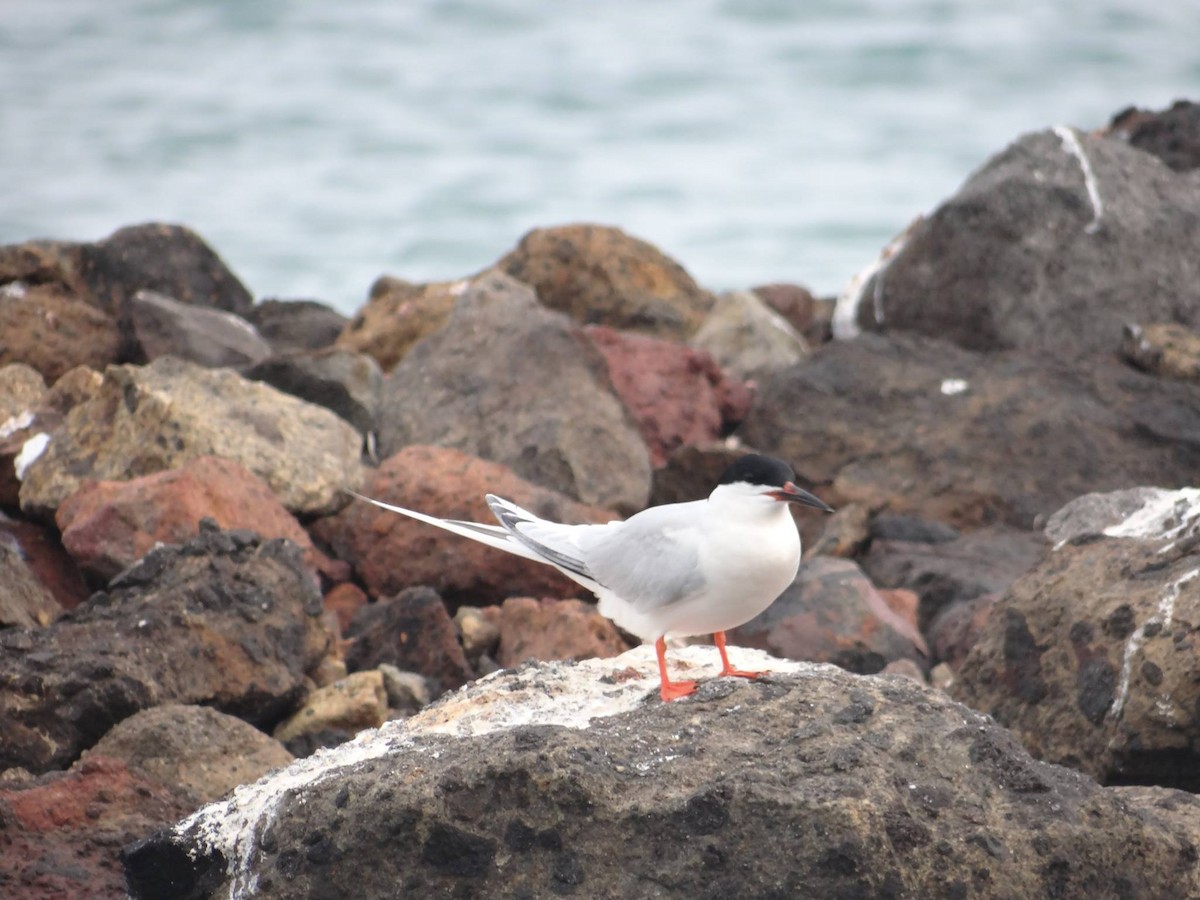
column 789, row 493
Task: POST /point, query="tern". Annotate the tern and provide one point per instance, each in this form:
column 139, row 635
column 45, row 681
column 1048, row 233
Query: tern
column 676, row 570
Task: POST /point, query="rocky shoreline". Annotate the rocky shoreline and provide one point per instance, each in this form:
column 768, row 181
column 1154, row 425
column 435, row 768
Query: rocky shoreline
column 219, row 677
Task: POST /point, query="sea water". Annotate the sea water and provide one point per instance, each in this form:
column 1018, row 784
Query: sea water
column 317, row 145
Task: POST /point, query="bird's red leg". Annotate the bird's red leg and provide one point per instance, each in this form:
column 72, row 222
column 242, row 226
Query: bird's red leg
column 670, row 690
column 726, row 668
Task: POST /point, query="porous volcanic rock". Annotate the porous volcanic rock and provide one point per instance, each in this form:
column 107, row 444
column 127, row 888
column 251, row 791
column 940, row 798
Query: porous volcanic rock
column 1091, row 658
column 505, row 380
column 345, row 383
column 150, row 418
column 397, row 315
column 918, row 426
column 41, row 552
column 52, row 330
column 747, row 337
column 293, row 326
column 567, row 780
column 599, row 275
column 1167, row 349
column 1172, row 134
column 227, row 620
column 1054, row 244
column 554, row 629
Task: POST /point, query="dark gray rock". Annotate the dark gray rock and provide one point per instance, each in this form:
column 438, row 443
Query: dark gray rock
column 162, row 326
column 1173, row 134
column 292, row 326
column 507, row 380
column 225, row 620
column 347, row 383
column 811, row 784
column 1054, row 244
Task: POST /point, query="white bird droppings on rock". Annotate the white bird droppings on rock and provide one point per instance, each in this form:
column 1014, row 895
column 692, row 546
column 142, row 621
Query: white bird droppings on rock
column 30, row 451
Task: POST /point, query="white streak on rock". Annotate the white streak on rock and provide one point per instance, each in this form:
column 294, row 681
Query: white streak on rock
column 1166, row 515
column 30, row 451
column 952, row 386
column 845, row 311
column 16, row 423
column 1071, row 144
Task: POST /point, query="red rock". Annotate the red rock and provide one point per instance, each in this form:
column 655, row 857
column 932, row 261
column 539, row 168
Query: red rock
column 63, row 832
column 344, row 600
column 108, row 525
column 52, row 330
column 47, row 561
column 391, row 552
column 413, row 632
column 678, row 395
column 555, row 629
column 832, row 613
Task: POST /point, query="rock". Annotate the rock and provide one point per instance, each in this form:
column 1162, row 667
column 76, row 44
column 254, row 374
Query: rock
column 204, row 752
column 601, row 276
column 476, row 386
column 162, row 326
column 391, row 552
column 356, row 702
column 344, row 600
column 911, row 529
column 42, row 555
column 1054, row 245
column 1172, row 135
column 21, row 390
column 921, row 427
column 956, row 628
column 168, row 259
column 52, row 331
column 565, row 780
column 411, row 631
column 227, row 620
column 1090, row 658
column 345, row 383
column 397, row 315
column 676, row 394
column 748, row 338
column 845, row 533
column 946, row 573
column 109, row 525
column 832, row 613
column 1093, row 514
column 808, row 315
column 62, row 832
column 406, row 691
column 147, row 419
column 691, row 471
column 24, row 601
column 905, row 668
column 477, row 632
column 293, row 326
column 554, row 629
column 1165, row 349
column 52, row 263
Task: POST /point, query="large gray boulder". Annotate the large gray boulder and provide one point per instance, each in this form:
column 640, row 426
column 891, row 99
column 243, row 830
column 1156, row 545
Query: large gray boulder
column 575, row 780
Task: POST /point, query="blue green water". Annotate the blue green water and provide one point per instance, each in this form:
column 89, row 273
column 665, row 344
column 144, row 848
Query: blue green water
column 317, row 145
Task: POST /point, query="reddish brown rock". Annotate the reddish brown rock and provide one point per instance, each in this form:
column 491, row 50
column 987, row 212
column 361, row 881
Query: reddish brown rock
column 60, row 835
column 832, row 613
column 601, row 276
column 52, row 330
column 807, row 314
column 344, row 600
column 957, row 627
column 397, row 315
column 555, row 629
column 413, row 632
column 43, row 554
column 678, row 395
column 24, row 601
column 109, row 525
column 391, row 552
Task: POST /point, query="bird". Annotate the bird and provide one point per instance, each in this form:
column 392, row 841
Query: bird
column 675, row 570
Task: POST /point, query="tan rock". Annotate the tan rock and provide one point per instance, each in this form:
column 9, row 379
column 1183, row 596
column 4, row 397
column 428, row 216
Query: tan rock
column 356, row 702
column 397, row 315
column 555, row 629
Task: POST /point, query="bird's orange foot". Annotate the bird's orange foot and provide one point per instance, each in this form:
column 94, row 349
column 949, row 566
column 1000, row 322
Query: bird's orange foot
column 741, row 673
column 673, row 690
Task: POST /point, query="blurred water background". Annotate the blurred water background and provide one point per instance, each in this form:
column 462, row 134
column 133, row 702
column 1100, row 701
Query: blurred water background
column 317, row 145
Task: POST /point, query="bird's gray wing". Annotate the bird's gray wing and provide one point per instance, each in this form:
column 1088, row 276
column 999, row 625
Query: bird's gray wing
column 552, row 542
column 650, row 561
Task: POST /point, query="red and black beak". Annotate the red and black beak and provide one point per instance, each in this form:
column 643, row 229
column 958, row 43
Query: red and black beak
column 789, row 493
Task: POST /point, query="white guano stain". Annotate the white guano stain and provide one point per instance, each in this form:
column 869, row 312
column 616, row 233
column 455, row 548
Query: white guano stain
column 16, row 423
column 1167, row 515
column 30, row 451
column 952, row 386
column 845, row 311
column 1072, row 145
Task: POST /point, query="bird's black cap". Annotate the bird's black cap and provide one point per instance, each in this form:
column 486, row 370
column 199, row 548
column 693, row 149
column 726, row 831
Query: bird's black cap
column 755, row 468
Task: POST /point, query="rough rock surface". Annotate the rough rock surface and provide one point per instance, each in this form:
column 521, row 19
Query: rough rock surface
column 391, row 552
column 809, row 316
column 748, row 338
column 155, row 417
column 53, row 331
column 554, row 629
column 293, row 326
column 413, row 632
column 24, row 600
column 567, row 780
column 504, row 380
column 203, row 752
column 1167, row 349
column 1173, row 135
column 350, row 704
column 42, row 553
column 397, row 315
column 226, row 620
column 109, row 525
column 162, row 326
column 923, row 427
column 1090, row 658
column 601, row 276
column 832, row 613
column 343, row 382
column 677, row 395
column 1054, row 244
